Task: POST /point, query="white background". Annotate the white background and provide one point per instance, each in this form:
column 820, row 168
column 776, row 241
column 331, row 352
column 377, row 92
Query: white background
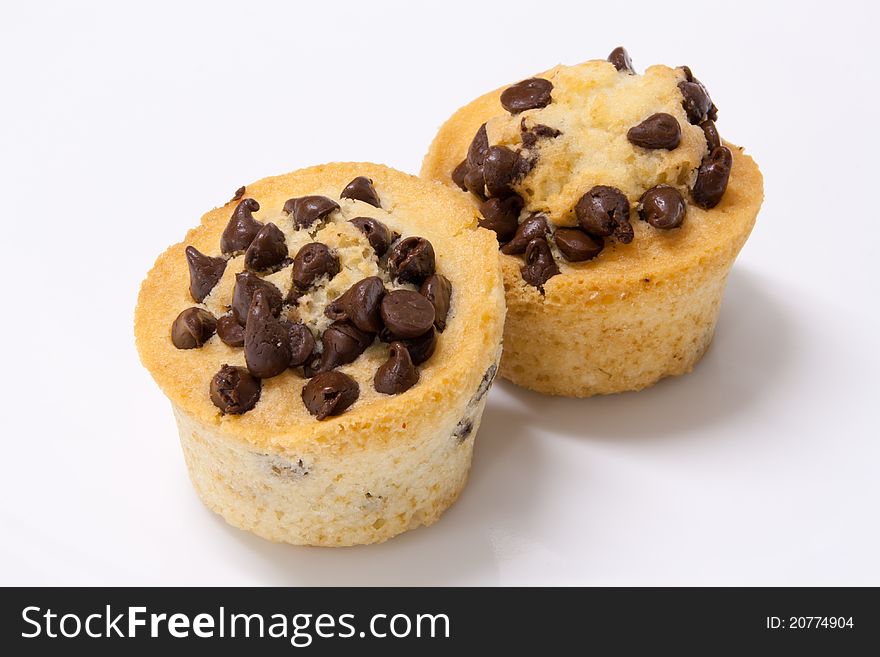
column 122, row 124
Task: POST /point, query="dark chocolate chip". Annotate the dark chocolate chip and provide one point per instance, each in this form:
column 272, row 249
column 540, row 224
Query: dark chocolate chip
column 485, row 383
column 712, row 177
column 246, row 283
column 192, row 328
column 311, row 262
column 266, row 340
column 204, row 272
column 659, row 130
column 530, row 136
column 458, row 174
column 438, row 290
column 604, row 211
column 713, row 139
column 420, row 348
column 529, row 94
column 477, row 150
column 397, row 374
column 302, row 344
column 360, row 305
column 540, row 265
column 662, row 207
column 306, row 210
column 267, row 250
column 696, row 101
column 620, row 58
column 502, row 216
column 242, row 227
column 463, row 429
column 474, row 182
column 329, row 393
column 361, row 189
column 234, row 390
column 411, row 260
column 576, row 246
column 406, row 314
column 230, row 331
column 378, row 234
column 533, row 227
column 239, row 193
column 342, row 343
column 499, row 170
column 712, row 112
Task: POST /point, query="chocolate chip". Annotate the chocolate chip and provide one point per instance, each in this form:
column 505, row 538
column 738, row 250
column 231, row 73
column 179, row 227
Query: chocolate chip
column 411, row 260
column 438, row 290
column 234, row 390
column 502, row 216
column 311, row 262
column 471, row 173
column 620, row 58
column 529, row 94
column 659, row 130
column 242, row 227
column 192, row 328
column 576, row 246
column 712, row 177
column 267, row 250
column 604, row 211
column 246, row 283
column 406, row 314
column 361, row 189
column 204, row 272
column 662, row 207
column 458, row 174
column 238, row 193
column 230, row 331
column 530, row 136
column 475, row 183
column 713, row 139
column 533, row 227
column 540, row 265
column 463, row 430
column 485, row 383
column 477, row 150
column 329, row 393
column 378, row 234
column 696, row 101
column 420, row 348
column 306, row 210
column 712, row 112
column 499, row 170
column 360, row 305
column 302, row 344
column 397, row 374
column 342, row 343
column 266, row 340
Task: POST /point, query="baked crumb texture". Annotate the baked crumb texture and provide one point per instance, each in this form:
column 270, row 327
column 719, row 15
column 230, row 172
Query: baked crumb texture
column 389, row 463
column 638, row 311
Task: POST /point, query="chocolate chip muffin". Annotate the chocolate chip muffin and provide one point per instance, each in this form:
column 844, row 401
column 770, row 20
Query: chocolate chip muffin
column 327, row 339
column 618, row 210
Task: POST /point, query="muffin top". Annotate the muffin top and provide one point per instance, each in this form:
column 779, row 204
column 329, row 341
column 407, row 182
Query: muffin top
column 580, row 138
column 595, row 166
column 337, row 294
